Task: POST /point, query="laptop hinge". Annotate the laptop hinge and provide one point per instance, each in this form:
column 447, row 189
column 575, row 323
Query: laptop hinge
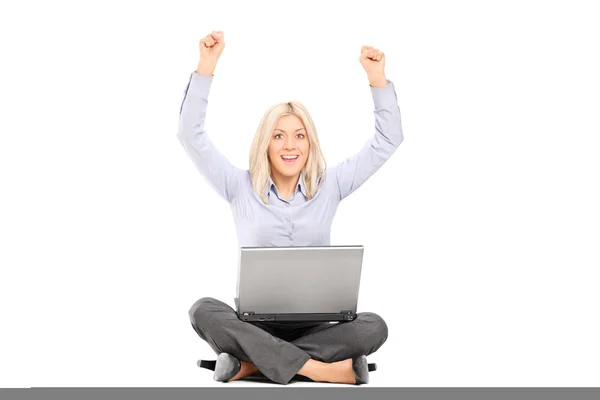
column 348, row 315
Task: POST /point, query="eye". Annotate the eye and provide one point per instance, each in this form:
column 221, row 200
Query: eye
column 300, row 135
column 277, row 136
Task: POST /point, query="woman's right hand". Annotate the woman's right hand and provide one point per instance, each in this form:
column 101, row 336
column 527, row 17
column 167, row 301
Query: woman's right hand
column 211, row 47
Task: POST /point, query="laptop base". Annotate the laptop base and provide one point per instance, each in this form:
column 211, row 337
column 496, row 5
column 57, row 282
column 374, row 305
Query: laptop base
column 251, row 316
column 312, row 317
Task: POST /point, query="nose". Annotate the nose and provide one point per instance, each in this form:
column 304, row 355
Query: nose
column 290, row 143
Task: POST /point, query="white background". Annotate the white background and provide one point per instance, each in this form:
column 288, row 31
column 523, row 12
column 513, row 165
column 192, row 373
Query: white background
column 482, row 232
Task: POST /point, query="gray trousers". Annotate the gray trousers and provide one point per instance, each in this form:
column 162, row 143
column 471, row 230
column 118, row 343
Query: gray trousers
column 278, row 349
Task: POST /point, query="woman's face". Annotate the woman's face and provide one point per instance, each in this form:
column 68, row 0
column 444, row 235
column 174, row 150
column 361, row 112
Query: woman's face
column 288, row 147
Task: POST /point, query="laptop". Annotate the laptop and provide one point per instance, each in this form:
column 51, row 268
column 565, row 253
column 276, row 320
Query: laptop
column 306, row 283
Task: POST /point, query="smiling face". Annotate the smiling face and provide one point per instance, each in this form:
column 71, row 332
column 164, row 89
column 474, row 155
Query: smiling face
column 288, row 147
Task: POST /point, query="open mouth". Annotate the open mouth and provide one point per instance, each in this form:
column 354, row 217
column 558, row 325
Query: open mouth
column 289, row 159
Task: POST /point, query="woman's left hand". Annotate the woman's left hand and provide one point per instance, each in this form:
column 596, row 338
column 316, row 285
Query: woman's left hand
column 373, row 61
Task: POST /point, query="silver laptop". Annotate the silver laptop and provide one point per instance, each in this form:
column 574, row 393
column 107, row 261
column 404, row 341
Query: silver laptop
column 310, row 283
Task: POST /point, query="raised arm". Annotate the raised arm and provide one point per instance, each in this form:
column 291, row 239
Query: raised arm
column 351, row 173
column 214, row 166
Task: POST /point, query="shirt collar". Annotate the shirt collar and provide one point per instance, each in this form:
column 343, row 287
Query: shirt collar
column 270, row 186
column 301, row 187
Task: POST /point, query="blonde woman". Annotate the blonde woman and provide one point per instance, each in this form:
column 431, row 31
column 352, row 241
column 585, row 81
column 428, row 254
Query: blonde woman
column 287, row 197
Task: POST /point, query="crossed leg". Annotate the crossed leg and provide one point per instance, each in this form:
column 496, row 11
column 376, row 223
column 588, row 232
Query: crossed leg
column 322, row 353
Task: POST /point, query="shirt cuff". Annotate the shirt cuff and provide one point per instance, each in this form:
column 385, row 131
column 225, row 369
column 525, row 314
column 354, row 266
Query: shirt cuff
column 199, row 85
column 384, row 96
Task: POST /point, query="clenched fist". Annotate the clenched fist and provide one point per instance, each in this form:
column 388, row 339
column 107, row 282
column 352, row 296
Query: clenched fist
column 373, row 61
column 211, row 47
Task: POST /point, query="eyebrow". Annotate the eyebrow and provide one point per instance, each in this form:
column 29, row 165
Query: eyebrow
column 300, row 129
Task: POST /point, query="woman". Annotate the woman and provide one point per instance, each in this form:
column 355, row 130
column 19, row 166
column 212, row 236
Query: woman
column 286, row 198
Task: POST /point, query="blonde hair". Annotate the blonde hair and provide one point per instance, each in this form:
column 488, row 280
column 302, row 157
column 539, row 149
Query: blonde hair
column 260, row 168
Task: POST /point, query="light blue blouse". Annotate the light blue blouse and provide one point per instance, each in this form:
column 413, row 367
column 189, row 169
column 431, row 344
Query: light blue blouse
column 285, row 222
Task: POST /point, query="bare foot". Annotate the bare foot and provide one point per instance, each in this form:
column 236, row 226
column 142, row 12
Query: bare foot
column 246, row 369
column 342, row 372
column 335, row 372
